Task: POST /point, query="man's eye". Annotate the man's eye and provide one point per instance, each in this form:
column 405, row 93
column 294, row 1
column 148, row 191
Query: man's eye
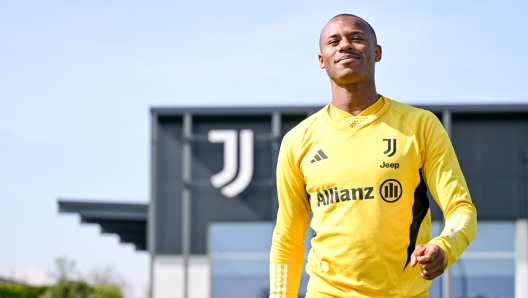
column 356, row 38
column 333, row 42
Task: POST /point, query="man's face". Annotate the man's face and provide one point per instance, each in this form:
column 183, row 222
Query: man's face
column 348, row 50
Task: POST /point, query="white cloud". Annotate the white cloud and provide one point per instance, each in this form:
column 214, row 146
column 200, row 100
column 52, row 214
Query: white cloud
column 28, row 275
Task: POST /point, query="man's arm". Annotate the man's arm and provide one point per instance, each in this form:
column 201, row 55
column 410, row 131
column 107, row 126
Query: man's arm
column 287, row 249
column 449, row 189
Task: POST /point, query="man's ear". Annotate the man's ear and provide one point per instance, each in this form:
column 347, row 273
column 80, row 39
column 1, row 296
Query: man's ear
column 378, row 52
column 321, row 61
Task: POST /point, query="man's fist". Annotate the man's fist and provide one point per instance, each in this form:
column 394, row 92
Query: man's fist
column 431, row 259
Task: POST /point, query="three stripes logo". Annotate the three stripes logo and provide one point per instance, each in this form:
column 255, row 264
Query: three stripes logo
column 279, row 278
column 453, row 225
column 391, row 190
column 245, row 173
column 391, row 147
column 319, row 156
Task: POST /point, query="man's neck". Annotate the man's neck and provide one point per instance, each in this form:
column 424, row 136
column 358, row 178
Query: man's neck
column 354, row 98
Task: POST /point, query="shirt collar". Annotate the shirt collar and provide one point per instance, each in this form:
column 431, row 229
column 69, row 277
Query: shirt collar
column 346, row 118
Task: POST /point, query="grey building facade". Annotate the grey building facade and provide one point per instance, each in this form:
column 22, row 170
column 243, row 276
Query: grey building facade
column 213, row 200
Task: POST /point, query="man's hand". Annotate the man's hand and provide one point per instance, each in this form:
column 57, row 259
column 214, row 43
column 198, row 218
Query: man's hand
column 431, row 258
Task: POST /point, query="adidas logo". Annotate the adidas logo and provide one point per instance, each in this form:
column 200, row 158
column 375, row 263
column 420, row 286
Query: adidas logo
column 320, row 155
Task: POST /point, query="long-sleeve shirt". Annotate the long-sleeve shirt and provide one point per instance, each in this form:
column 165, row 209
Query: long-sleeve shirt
column 364, row 180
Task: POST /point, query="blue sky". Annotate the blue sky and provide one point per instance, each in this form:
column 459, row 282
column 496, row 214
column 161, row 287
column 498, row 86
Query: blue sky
column 77, row 79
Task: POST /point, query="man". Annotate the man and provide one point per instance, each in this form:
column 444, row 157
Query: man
column 361, row 166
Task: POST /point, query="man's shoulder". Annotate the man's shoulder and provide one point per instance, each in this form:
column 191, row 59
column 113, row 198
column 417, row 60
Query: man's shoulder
column 420, row 120
column 409, row 112
column 298, row 132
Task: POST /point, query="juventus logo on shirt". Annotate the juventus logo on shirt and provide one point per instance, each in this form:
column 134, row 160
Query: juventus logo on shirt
column 391, row 147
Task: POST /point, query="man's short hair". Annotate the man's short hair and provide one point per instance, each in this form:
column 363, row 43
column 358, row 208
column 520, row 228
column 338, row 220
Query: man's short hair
column 355, row 16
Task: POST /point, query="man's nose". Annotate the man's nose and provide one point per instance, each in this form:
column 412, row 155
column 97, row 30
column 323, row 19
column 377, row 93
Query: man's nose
column 345, row 45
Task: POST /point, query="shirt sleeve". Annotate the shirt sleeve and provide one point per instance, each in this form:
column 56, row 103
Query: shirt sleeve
column 449, row 189
column 287, row 249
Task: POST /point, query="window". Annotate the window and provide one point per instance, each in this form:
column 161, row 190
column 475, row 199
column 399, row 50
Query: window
column 486, row 268
column 240, row 269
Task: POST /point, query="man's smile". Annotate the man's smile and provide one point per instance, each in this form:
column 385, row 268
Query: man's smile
column 347, row 58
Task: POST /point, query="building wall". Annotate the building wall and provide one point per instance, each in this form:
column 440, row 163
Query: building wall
column 490, row 141
column 168, row 276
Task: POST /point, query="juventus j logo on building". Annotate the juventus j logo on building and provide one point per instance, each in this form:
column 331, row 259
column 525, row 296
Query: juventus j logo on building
column 224, row 179
column 391, row 147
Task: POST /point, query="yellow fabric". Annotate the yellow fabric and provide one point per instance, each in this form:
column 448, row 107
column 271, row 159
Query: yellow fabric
column 342, row 116
column 366, row 225
column 355, row 122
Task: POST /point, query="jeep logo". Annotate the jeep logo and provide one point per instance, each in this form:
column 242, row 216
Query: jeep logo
column 393, row 165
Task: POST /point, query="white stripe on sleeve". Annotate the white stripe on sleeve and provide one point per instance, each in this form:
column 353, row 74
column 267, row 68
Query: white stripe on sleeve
column 460, row 226
column 279, row 277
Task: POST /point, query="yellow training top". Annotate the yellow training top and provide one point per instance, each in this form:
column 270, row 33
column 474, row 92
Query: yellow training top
column 364, row 178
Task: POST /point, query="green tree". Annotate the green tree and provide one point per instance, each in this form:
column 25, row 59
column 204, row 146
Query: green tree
column 20, row 291
column 69, row 289
column 106, row 291
column 105, row 282
column 64, row 269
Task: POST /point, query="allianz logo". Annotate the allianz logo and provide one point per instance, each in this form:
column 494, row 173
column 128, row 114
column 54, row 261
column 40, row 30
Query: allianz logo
column 389, row 191
column 335, row 195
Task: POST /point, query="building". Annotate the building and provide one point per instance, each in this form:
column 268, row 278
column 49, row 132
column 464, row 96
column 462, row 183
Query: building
column 210, row 217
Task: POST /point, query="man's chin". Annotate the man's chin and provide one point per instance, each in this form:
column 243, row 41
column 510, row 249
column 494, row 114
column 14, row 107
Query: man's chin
column 348, row 78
